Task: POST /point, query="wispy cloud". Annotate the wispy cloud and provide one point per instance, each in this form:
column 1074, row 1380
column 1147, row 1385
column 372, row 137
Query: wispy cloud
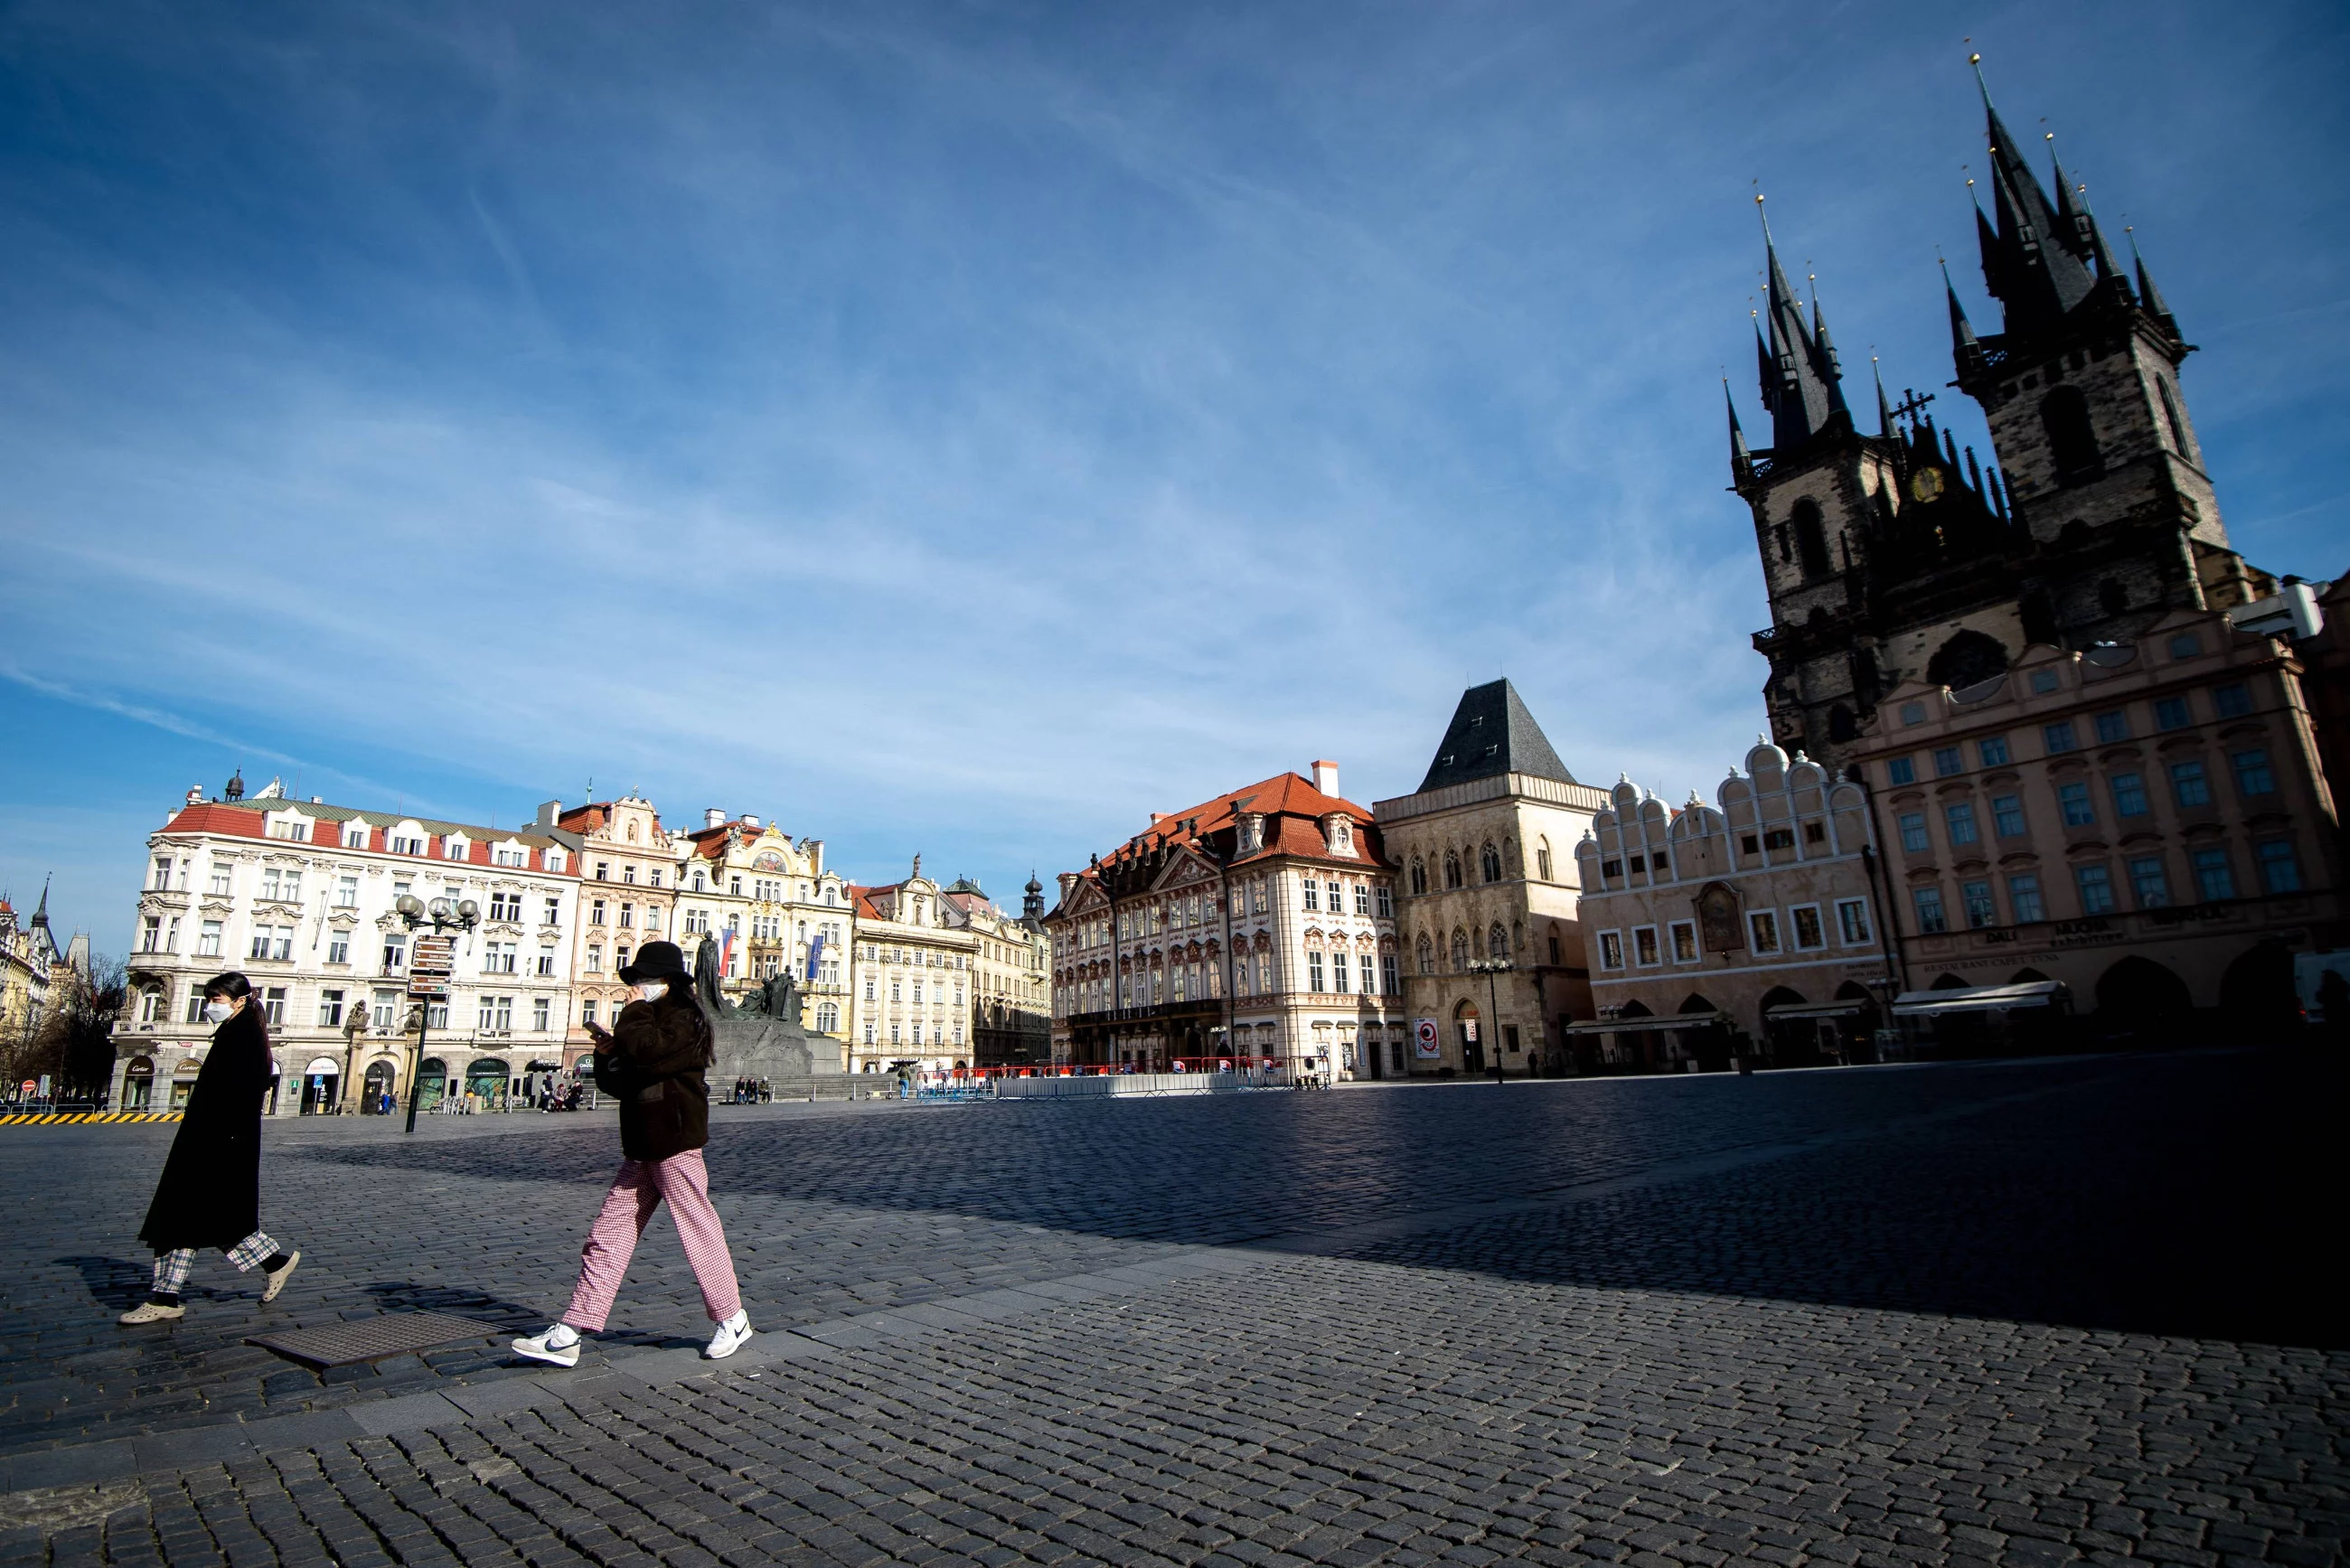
column 970, row 428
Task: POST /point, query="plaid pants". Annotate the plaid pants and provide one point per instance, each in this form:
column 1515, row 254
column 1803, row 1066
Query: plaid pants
column 636, row 1192
column 171, row 1268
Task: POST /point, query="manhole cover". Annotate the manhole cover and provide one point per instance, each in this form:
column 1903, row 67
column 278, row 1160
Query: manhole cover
column 373, row 1339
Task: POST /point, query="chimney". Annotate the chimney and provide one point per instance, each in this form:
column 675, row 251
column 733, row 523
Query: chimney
column 749, row 821
column 1157, row 818
column 1325, row 777
column 550, row 812
column 713, row 817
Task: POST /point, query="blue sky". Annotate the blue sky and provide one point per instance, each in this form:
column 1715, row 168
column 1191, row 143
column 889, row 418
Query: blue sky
column 965, row 429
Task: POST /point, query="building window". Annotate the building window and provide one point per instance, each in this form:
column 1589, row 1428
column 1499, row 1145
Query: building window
column 1947, row 761
column 1340, row 979
column 2023, row 898
column 1901, row 771
column 1314, row 969
column 2044, row 681
column 1960, row 818
column 1313, row 894
column 2253, row 776
column 2185, row 645
column 1390, row 982
column 2112, row 727
column 1460, row 950
column 2007, row 815
column 1913, row 713
column 1994, row 751
column 218, row 883
column 546, row 960
column 1928, row 902
column 1809, row 932
column 2148, row 885
column 2057, row 737
column 1684, row 935
column 151, row 934
column 330, row 1010
column 1976, row 897
column 272, row 1006
column 1851, row 921
column 2213, row 878
column 2130, row 795
column 1385, row 896
column 2171, row 714
column 1611, row 950
column 395, row 952
column 2232, row 701
column 1419, row 876
column 1645, row 952
column 2097, row 886
column 339, row 947
column 1451, row 869
column 2188, row 785
column 1762, row 931
column 1488, row 863
column 2065, row 419
column 2074, row 800
column 2280, row 872
column 1913, row 832
column 1362, row 898
column 1426, row 954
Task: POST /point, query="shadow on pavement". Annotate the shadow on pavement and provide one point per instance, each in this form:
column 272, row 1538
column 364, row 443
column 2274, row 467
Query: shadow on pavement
column 2178, row 1194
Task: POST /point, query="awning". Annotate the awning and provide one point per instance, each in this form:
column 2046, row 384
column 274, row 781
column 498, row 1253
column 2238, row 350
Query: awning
column 1644, row 1025
column 1816, row 1010
column 1981, row 999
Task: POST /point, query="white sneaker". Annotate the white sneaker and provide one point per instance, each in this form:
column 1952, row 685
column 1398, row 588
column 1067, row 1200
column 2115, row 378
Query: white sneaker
column 732, row 1335
column 559, row 1344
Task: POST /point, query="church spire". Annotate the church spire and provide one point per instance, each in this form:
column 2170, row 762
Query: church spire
column 2147, row 295
column 1742, row 461
column 41, row 914
column 1965, row 349
column 1801, row 387
column 1884, row 411
column 2031, row 265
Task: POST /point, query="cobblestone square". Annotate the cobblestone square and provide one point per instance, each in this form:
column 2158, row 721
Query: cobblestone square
column 2076, row 1310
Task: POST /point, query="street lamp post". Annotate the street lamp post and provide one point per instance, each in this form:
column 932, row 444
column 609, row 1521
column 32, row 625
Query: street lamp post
column 1493, row 969
column 442, row 915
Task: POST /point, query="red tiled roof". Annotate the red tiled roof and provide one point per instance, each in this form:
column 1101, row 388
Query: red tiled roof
column 1293, row 809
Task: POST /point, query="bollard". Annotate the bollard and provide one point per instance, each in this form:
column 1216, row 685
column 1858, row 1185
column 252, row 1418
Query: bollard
column 1745, row 1066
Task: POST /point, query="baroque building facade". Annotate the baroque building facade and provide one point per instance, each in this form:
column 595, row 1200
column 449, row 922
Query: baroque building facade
column 1486, row 873
column 299, row 896
column 914, row 971
column 1010, row 1018
column 2147, row 823
column 1892, row 557
column 1257, row 927
column 28, row 953
column 768, row 903
column 629, row 878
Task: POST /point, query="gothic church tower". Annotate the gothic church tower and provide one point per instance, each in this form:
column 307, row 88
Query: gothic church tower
column 1895, row 556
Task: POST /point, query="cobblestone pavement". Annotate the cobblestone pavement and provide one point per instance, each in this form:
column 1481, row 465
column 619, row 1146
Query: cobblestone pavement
column 2025, row 1313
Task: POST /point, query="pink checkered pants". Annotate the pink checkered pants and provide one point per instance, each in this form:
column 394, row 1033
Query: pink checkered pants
column 627, row 1208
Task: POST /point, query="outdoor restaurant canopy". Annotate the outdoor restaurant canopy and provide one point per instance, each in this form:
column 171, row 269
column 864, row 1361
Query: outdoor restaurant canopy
column 1981, row 998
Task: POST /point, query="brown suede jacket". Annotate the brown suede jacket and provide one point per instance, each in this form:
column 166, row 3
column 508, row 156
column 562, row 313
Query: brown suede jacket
column 653, row 1064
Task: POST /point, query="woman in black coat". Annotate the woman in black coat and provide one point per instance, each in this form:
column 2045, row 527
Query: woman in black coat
column 210, row 1192
column 654, row 1062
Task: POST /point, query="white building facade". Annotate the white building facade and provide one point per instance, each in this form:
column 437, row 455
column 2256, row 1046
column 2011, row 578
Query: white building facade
column 299, row 897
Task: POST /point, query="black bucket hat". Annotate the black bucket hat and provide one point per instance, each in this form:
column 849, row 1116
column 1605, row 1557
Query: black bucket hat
column 657, row 960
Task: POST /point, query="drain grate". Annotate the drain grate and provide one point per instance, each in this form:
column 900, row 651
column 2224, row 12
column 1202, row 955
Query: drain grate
column 373, row 1338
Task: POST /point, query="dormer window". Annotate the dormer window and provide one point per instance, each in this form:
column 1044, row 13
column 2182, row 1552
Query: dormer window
column 355, row 835
column 456, row 849
column 555, row 860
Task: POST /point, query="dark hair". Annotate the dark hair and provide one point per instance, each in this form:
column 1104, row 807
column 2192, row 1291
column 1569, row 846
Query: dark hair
column 231, row 985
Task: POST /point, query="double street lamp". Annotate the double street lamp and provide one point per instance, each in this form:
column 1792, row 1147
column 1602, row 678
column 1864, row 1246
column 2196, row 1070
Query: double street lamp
column 442, row 915
column 1491, row 968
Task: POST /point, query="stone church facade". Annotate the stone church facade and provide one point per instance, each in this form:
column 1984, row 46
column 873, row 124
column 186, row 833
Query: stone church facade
column 1895, row 556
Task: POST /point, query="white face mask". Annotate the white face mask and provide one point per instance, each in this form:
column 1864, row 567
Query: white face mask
column 653, row 989
column 217, row 1012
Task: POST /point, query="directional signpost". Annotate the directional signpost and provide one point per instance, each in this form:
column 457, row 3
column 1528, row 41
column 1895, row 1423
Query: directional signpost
column 430, row 962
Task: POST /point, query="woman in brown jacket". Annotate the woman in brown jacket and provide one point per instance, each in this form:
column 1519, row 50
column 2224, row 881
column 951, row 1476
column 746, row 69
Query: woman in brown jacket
column 652, row 1062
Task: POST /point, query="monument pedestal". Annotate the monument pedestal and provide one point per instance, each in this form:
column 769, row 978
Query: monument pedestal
column 790, row 1059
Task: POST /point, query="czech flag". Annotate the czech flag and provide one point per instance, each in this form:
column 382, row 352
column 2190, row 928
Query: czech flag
column 726, row 953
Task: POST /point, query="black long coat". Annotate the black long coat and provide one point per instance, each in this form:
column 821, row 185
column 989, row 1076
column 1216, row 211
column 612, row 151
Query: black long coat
column 210, row 1192
column 654, row 1065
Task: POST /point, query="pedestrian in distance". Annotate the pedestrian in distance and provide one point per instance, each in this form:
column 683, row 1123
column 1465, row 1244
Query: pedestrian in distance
column 210, row 1192
column 653, row 1062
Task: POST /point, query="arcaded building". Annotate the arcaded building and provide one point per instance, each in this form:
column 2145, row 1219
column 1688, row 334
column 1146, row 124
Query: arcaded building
column 1749, row 927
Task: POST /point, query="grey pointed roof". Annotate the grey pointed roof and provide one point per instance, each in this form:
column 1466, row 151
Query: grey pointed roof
column 1492, row 734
